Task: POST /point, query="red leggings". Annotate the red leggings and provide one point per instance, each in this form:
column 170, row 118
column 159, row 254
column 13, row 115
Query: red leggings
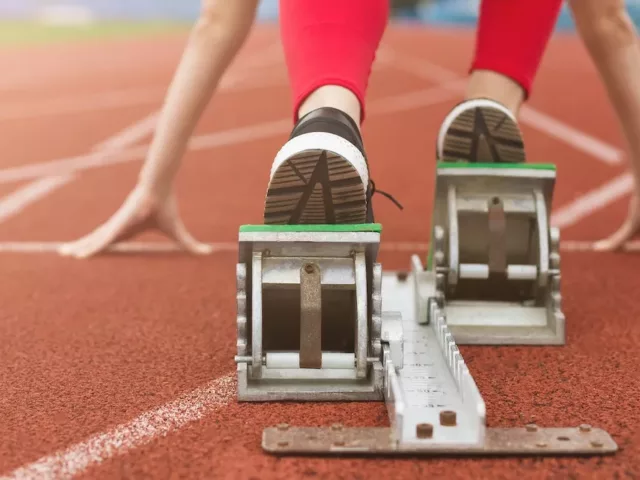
column 334, row 42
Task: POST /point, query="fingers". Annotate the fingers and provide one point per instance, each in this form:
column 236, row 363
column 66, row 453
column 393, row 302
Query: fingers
column 618, row 239
column 124, row 224
column 176, row 230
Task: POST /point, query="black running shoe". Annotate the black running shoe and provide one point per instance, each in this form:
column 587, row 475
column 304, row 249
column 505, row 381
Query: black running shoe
column 482, row 131
column 321, row 175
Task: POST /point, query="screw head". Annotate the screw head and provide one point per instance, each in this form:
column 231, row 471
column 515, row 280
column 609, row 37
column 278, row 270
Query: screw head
column 596, row 443
column 448, row 418
column 336, row 426
column 283, row 443
column 283, row 426
column 424, row 430
column 532, row 427
column 541, row 444
column 402, row 276
column 309, row 268
column 585, row 428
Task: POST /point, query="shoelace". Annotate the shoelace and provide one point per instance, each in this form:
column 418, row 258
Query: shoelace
column 374, row 190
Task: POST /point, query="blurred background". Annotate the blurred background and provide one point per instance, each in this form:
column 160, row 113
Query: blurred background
column 24, row 20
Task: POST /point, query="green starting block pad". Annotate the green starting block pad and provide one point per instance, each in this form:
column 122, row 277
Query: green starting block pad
column 494, row 259
column 318, row 320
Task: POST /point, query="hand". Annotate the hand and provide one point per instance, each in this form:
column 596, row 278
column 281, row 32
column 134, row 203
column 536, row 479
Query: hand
column 629, row 228
column 142, row 210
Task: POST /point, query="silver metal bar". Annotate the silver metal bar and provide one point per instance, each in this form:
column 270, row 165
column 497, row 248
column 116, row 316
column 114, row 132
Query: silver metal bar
column 393, row 395
column 362, row 325
column 256, row 314
column 310, row 317
column 543, row 232
column 241, row 308
column 328, row 360
column 454, row 246
column 280, row 271
column 513, row 272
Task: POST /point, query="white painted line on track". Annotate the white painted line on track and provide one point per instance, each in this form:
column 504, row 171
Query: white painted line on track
column 407, row 101
column 18, row 200
column 592, row 201
column 231, row 247
column 140, row 431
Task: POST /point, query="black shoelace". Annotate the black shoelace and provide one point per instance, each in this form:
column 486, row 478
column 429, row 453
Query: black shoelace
column 374, row 190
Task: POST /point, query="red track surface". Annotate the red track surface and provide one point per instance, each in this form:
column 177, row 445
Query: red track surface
column 90, row 345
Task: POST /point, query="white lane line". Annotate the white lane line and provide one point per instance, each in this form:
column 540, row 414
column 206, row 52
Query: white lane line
column 44, row 184
column 140, row 431
column 130, row 135
column 583, row 246
column 579, row 140
column 82, row 103
column 165, row 247
column 557, row 129
column 592, row 201
column 132, row 97
column 232, row 247
column 21, row 198
column 419, row 99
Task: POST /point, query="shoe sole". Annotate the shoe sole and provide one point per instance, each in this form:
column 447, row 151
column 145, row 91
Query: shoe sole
column 481, row 131
column 317, row 178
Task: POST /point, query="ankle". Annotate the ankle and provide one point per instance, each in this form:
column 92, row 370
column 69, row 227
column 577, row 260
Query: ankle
column 330, row 120
column 333, row 96
column 497, row 87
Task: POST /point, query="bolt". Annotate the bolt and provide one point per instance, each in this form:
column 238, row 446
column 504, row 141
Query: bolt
column 532, row 427
column 596, row 443
column 283, row 426
column 424, row 430
column 448, row 418
column 402, row 276
column 309, row 268
column 541, row 444
column 283, row 443
column 585, row 428
column 338, row 443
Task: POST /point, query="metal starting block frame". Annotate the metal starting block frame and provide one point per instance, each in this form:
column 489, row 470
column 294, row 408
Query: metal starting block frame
column 309, row 313
column 495, row 257
column 319, row 321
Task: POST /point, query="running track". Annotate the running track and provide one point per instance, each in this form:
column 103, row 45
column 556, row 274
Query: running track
column 119, row 366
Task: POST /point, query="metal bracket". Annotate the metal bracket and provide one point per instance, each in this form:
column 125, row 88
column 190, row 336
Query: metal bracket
column 310, row 317
column 291, row 287
column 529, row 440
column 501, row 286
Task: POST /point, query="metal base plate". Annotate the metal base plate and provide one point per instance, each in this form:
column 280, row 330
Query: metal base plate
column 526, row 441
column 493, row 323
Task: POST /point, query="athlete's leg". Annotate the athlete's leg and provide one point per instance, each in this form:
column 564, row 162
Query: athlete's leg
column 612, row 42
column 321, row 174
column 510, row 42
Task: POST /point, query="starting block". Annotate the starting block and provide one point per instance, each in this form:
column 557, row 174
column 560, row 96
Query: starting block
column 318, row 320
column 495, row 257
column 309, row 313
